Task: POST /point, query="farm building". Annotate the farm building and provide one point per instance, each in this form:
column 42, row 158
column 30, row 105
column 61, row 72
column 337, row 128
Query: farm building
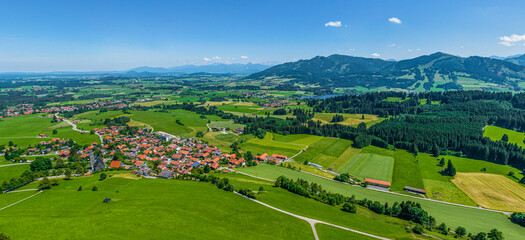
column 415, row 190
column 377, row 183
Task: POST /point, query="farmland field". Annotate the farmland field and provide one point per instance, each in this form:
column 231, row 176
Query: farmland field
column 370, row 166
column 495, row 134
column 492, row 191
column 349, row 119
column 474, row 220
column 161, row 203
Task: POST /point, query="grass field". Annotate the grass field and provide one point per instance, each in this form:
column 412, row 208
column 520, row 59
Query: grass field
column 474, row 220
column 492, row 191
column 160, row 121
column 163, row 208
column 349, row 119
column 368, row 165
column 364, row 220
column 495, row 134
column 23, row 131
column 325, row 151
column 268, row 145
column 329, row 232
column 226, row 124
column 406, row 169
column 311, row 169
column 8, row 172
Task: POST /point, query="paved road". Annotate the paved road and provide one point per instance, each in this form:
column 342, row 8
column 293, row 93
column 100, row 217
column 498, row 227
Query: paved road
column 78, row 130
column 14, row 164
column 311, row 221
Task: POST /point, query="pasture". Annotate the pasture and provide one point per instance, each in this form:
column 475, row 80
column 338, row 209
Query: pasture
column 369, row 165
column 268, row 145
column 162, row 203
column 474, row 220
column 325, row 152
column 349, row 119
column 23, row 131
column 495, row 134
column 492, row 191
column 8, row 171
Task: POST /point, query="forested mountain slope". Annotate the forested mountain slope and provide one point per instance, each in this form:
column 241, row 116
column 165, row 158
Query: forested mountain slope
column 438, row 71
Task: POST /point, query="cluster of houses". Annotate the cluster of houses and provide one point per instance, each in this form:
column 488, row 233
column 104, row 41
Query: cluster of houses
column 26, row 109
column 162, row 154
column 276, row 103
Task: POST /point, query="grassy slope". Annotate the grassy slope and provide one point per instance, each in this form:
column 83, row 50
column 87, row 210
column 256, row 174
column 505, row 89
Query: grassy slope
column 8, row 172
column 370, row 166
column 22, row 130
column 161, row 210
column 268, row 145
column 325, row 152
column 495, row 134
column 329, row 232
column 364, row 220
column 474, row 220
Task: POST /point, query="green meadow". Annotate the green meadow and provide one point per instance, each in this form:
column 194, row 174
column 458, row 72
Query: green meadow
column 23, row 131
column 368, row 165
column 474, row 220
column 161, row 210
column 7, row 171
column 496, row 133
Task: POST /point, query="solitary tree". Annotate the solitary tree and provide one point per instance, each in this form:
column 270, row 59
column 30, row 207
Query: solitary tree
column 442, row 162
column 55, row 131
column 4, row 237
column 68, row 173
column 451, row 170
column 80, row 188
column 460, row 231
column 494, row 234
column 505, row 138
column 207, row 168
column 95, row 188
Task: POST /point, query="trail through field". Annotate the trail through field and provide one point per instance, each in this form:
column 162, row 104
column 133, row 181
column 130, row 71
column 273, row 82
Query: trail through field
column 12, row 204
column 311, row 221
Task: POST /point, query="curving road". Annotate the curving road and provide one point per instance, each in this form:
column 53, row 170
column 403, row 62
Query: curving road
column 311, row 221
column 76, row 129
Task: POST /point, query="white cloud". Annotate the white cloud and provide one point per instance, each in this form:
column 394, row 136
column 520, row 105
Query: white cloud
column 244, row 57
column 461, row 46
column 395, row 20
column 375, row 54
column 333, row 24
column 511, row 40
column 392, row 45
column 207, row 59
column 506, row 44
column 410, row 50
column 216, row 58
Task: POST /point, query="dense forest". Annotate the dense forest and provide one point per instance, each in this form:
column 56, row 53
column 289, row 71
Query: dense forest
column 453, row 126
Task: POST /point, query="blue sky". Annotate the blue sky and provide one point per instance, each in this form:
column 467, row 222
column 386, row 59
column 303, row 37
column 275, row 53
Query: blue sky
column 118, row 35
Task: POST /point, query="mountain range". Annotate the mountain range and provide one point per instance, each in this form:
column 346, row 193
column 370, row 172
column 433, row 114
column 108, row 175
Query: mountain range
column 438, row 71
column 236, row 68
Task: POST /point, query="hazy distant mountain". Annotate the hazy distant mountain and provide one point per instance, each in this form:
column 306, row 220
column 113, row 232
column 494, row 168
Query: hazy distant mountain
column 504, row 58
column 235, row 68
column 429, row 72
column 518, row 59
